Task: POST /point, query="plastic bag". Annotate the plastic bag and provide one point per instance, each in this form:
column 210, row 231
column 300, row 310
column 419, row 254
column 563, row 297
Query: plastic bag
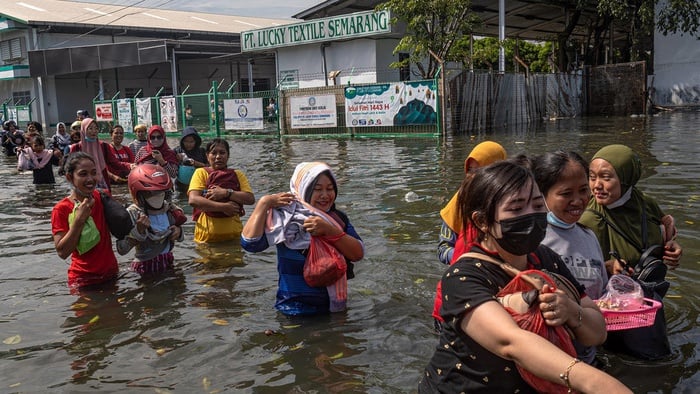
column 324, row 264
column 622, row 293
column 89, row 236
column 533, row 321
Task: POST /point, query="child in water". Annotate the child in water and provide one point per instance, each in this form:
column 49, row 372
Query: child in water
column 39, row 160
column 157, row 221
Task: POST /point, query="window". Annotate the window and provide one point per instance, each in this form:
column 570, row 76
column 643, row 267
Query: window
column 11, row 49
column 21, row 98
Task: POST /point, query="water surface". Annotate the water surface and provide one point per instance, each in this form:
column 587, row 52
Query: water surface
column 211, row 326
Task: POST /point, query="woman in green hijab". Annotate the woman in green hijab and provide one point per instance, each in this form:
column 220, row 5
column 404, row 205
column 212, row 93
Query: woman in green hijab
column 619, row 214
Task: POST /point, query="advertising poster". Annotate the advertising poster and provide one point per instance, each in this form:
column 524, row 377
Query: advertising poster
column 143, row 111
column 168, row 114
column 103, row 112
column 124, row 116
column 391, row 104
column 243, row 114
column 313, row 111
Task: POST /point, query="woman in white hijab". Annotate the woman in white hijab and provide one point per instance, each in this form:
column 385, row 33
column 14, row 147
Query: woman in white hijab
column 288, row 220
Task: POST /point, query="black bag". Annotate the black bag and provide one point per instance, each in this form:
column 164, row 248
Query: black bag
column 647, row 343
column 650, row 272
column 118, row 218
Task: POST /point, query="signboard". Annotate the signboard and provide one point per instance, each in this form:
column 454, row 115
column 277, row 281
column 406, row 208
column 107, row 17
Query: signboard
column 103, row 112
column 243, row 114
column 289, row 79
column 340, row 27
column 391, row 104
column 143, row 111
column 309, row 112
column 124, row 115
column 168, row 114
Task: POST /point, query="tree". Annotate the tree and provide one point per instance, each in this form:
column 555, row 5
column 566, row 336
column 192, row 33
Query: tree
column 484, row 54
column 431, row 26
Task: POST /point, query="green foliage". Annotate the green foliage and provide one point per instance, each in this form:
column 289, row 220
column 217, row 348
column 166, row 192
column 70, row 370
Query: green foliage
column 680, row 16
column 431, row 26
column 485, row 54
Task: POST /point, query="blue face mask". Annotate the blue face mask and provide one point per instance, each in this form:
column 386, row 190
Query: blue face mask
column 88, row 139
column 555, row 221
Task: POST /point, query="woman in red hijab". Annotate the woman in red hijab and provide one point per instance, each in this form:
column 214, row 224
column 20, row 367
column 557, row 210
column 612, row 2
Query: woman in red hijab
column 158, row 152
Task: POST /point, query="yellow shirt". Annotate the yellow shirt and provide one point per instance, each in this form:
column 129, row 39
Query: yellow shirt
column 209, row 229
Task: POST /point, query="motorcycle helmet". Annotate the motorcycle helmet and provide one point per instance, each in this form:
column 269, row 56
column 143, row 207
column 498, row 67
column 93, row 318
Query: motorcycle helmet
column 148, row 178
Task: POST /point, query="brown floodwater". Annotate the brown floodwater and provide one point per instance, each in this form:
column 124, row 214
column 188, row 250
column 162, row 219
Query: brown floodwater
column 211, row 325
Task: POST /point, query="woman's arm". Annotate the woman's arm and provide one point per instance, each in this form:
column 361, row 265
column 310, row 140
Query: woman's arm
column 493, row 328
column 348, row 245
column 255, row 226
column 65, row 243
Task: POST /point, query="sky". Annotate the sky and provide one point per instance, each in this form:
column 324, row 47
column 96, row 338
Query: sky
column 256, row 8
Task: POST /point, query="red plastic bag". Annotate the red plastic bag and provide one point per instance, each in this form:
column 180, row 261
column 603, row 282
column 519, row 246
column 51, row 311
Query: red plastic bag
column 324, row 264
column 533, row 321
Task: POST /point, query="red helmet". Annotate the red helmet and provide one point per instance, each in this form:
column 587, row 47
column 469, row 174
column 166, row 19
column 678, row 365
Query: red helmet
column 149, row 178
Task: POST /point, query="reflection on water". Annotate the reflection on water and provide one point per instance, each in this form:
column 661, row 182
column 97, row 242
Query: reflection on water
column 211, row 326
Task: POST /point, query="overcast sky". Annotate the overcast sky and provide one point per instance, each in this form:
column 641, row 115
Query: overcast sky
column 259, row 8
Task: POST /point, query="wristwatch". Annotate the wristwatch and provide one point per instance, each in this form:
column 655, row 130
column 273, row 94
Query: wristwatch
column 228, row 196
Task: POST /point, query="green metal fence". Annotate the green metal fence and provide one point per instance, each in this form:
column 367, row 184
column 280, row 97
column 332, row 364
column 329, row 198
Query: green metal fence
column 408, row 109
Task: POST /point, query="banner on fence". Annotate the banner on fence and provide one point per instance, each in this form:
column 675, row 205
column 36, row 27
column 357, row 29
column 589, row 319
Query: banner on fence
column 391, row 104
column 124, row 115
column 168, row 114
column 243, row 114
column 143, row 111
column 103, row 112
column 309, row 112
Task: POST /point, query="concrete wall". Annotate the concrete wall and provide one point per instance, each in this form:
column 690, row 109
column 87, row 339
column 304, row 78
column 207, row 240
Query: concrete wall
column 676, row 79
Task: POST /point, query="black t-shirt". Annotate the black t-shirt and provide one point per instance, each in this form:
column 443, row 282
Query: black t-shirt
column 459, row 363
column 45, row 175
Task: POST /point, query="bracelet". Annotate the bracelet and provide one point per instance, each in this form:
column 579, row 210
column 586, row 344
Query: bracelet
column 565, row 376
column 580, row 318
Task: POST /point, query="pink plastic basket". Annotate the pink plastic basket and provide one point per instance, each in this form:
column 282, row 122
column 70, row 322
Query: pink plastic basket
column 635, row 318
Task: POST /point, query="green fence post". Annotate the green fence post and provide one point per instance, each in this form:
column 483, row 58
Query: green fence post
column 215, row 108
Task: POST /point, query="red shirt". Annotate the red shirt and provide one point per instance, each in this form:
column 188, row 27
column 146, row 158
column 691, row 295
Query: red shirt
column 98, row 264
column 124, row 154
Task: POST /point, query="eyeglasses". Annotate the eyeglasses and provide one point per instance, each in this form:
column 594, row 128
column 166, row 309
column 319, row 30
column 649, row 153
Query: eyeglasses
column 156, row 137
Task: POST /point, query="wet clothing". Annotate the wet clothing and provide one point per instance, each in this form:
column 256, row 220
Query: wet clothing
column 213, row 229
column 124, row 154
column 294, row 296
column 198, row 153
column 579, row 249
column 153, row 249
column 459, row 363
column 44, row 174
column 98, row 264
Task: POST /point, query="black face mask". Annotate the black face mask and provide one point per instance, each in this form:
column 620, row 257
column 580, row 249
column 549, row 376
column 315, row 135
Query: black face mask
column 523, row 234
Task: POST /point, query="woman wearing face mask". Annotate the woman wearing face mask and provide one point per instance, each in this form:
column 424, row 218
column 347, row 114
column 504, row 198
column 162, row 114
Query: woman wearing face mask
column 79, row 226
column 158, row 152
column 562, row 177
column 480, row 343
column 619, row 214
column 105, row 161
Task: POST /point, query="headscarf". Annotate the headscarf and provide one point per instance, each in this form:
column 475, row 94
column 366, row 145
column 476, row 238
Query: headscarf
column 625, row 162
column 485, row 153
column 305, row 177
column 62, row 139
column 169, row 155
column 628, row 216
column 93, row 148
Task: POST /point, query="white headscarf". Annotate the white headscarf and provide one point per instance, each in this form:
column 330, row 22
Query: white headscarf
column 304, row 178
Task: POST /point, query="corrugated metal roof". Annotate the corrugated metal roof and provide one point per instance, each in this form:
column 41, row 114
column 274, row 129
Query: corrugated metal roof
column 48, row 12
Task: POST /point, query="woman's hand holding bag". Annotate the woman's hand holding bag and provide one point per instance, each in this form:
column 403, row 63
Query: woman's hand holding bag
column 324, row 264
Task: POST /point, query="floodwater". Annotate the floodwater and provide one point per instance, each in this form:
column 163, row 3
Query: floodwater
column 211, row 326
